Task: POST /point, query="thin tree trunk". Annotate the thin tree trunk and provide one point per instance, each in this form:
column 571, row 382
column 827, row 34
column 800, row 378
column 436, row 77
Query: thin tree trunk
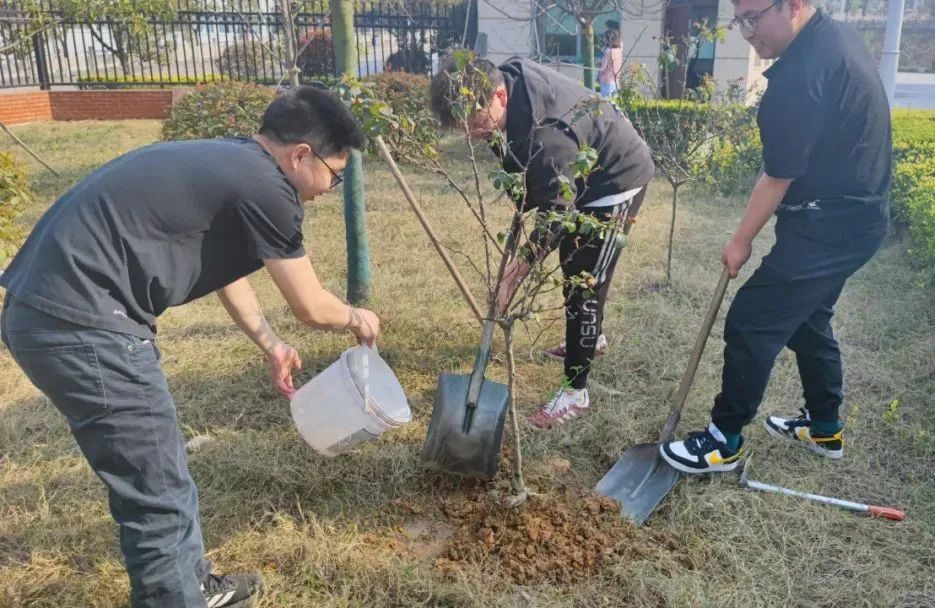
column 290, row 49
column 519, row 485
column 675, row 201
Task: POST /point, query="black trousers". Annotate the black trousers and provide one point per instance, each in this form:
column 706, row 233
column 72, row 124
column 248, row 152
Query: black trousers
column 789, row 302
column 584, row 305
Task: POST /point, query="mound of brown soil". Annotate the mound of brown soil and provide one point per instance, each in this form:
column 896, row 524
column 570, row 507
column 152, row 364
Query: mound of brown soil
column 557, row 539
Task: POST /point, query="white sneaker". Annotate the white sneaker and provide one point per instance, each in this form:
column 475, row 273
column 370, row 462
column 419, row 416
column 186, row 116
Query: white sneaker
column 567, row 404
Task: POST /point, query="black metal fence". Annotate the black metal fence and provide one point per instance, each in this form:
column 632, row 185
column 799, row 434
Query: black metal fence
column 208, row 40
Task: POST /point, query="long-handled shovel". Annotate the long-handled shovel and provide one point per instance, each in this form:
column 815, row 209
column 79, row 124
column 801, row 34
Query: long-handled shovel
column 410, row 197
column 886, row 512
column 641, row 478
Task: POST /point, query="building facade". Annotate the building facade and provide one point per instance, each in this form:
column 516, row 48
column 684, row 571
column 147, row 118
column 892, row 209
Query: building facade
column 544, row 32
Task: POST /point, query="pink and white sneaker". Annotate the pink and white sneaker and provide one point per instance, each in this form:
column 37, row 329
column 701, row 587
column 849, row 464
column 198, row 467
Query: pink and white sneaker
column 558, row 352
column 567, row 404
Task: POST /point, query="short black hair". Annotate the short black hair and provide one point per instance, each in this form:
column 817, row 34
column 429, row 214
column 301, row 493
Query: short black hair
column 314, row 116
column 464, row 71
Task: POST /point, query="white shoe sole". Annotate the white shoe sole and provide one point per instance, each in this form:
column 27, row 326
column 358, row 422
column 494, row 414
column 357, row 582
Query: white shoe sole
column 716, row 468
column 829, row 454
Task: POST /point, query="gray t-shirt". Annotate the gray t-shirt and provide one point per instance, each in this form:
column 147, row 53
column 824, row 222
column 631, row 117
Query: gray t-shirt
column 157, row 227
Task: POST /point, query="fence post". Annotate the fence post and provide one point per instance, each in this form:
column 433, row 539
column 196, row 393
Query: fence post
column 42, row 65
column 355, row 213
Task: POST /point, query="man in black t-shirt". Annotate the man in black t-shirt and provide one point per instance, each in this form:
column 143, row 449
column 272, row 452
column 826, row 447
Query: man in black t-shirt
column 154, row 228
column 825, row 125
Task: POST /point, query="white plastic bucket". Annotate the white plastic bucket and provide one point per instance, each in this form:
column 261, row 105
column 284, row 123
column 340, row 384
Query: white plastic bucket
column 356, row 399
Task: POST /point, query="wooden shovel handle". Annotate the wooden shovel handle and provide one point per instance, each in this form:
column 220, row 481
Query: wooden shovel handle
column 676, row 412
column 483, row 353
column 410, row 197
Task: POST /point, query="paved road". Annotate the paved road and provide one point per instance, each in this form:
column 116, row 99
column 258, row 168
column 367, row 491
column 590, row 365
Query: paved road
column 915, row 90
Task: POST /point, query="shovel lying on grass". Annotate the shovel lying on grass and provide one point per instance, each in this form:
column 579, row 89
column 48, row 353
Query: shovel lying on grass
column 887, row 512
column 641, row 478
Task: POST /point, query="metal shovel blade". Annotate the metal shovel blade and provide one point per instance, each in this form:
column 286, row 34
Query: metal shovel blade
column 447, row 446
column 638, row 481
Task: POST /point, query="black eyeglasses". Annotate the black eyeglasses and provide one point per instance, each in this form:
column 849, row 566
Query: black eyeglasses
column 336, row 178
column 748, row 24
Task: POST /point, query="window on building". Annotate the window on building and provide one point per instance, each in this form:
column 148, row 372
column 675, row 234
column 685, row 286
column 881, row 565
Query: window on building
column 558, row 35
column 701, row 64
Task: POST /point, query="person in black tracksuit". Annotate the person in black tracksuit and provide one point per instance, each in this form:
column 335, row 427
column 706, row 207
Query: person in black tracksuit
column 540, row 120
column 825, row 125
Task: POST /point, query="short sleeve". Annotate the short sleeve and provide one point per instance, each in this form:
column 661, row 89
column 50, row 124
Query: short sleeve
column 790, row 119
column 272, row 225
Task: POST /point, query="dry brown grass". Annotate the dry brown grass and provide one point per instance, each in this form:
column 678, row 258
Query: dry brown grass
column 328, row 532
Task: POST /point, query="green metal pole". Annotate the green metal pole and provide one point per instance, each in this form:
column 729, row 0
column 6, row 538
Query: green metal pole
column 355, row 213
column 587, row 58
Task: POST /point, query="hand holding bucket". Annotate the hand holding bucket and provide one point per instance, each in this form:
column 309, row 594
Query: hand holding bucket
column 356, row 399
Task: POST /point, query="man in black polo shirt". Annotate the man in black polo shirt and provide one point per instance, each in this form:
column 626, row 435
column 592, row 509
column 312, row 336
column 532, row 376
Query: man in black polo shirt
column 154, row 228
column 825, row 126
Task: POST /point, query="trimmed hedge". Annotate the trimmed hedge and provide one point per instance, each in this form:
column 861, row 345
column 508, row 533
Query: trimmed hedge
column 90, row 83
column 14, row 195
column 913, row 196
column 222, row 109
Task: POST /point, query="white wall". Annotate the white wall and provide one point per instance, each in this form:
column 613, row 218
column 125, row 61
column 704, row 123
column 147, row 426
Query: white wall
column 509, row 28
column 640, row 42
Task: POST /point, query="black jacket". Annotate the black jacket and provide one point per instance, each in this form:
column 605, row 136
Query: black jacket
column 546, row 125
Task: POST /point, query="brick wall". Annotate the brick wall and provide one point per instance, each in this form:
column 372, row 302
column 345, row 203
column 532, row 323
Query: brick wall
column 25, row 107
column 84, row 105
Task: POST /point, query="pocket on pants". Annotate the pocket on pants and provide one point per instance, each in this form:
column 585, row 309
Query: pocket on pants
column 70, row 376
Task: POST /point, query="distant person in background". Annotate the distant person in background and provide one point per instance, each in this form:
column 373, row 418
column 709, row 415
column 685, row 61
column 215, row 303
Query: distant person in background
column 611, row 63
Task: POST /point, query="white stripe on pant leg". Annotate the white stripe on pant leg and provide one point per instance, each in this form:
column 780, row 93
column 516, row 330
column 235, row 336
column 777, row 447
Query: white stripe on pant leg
column 610, row 244
column 601, row 257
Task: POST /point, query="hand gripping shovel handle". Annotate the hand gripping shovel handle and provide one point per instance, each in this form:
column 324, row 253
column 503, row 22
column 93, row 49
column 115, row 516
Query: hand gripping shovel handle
column 679, row 401
column 483, row 353
column 410, row 197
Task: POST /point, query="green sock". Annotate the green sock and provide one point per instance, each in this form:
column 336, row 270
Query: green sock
column 733, row 441
column 827, row 428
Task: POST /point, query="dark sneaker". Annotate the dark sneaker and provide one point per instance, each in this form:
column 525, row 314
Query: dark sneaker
column 558, row 352
column 801, row 432
column 701, row 452
column 232, row 590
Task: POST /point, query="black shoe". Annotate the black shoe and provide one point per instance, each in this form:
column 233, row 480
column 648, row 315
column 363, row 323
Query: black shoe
column 801, row 432
column 701, row 452
column 232, row 590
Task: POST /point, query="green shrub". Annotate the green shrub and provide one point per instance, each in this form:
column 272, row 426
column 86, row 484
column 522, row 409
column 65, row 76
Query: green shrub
column 913, row 194
column 733, row 163
column 14, row 195
column 250, row 60
column 316, row 59
column 711, row 143
column 223, row 109
column 407, row 96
